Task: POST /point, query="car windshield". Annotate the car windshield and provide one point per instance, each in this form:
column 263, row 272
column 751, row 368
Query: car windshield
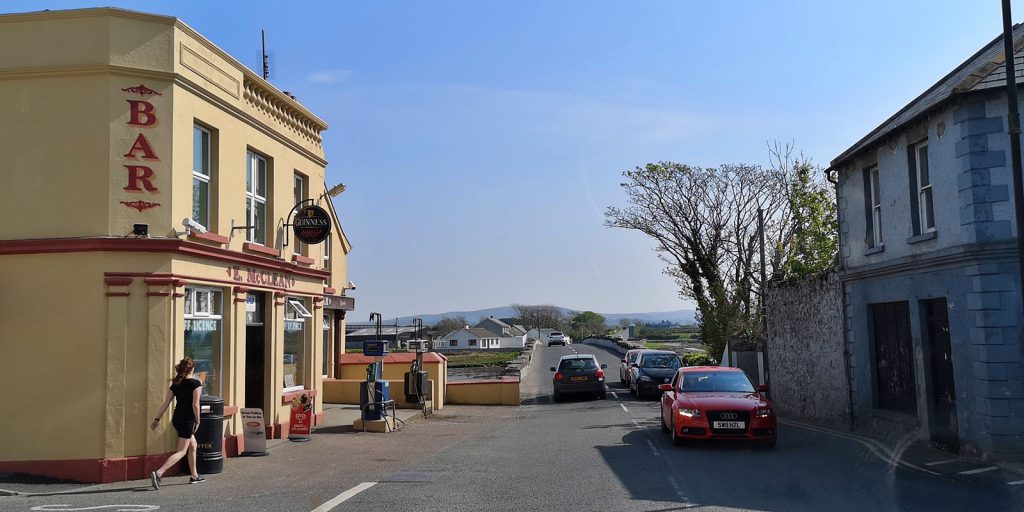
column 660, row 361
column 577, row 364
column 716, row 381
column 632, row 356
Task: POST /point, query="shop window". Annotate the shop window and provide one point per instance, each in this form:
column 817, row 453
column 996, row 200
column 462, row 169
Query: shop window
column 256, row 194
column 203, row 335
column 327, row 343
column 295, row 318
column 299, row 191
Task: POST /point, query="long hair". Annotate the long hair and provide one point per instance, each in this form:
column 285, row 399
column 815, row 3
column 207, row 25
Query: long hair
column 182, row 369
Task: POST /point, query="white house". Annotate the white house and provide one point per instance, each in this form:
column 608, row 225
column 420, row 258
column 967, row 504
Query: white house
column 468, row 338
column 511, row 336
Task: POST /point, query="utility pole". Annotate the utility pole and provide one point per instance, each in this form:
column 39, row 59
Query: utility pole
column 764, row 295
column 1013, row 118
column 266, row 65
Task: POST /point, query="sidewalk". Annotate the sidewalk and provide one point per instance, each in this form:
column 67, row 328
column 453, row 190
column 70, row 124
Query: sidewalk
column 338, row 418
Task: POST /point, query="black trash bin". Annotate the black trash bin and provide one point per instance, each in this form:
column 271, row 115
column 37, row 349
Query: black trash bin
column 210, row 436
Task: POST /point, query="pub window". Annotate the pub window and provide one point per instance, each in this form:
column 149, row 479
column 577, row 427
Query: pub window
column 202, row 175
column 926, row 214
column 203, row 343
column 872, row 208
column 299, row 191
column 327, row 342
column 295, row 318
column 256, row 193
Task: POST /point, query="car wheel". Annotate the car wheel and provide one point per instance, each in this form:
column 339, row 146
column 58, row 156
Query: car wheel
column 556, row 397
column 661, row 419
column 601, row 395
column 676, row 440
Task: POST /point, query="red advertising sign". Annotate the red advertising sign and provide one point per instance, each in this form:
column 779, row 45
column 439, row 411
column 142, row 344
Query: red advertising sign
column 301, row 418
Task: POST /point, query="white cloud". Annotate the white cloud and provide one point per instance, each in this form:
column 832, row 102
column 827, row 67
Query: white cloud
column 330, row 77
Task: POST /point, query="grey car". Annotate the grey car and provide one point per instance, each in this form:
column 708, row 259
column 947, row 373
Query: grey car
column 579, row 374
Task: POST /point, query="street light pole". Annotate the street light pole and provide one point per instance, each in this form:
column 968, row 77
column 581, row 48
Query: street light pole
column 1013, row 118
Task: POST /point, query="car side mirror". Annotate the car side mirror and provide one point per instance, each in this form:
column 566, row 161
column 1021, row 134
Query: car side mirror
column 553, row 369
column 665, row 387
column 604, row 366
column 763, row 388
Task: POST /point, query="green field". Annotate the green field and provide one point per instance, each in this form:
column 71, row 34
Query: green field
column 477, row 359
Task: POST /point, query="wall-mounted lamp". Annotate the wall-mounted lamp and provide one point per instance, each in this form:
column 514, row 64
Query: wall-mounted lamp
column 140, row 229
column 336, row 190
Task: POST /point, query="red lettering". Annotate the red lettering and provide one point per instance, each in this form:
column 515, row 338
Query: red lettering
column 140, row 174
column 141, row 144
column 143, row 113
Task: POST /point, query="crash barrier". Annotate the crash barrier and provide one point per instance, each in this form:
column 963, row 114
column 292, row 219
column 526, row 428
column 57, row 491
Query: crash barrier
column 619, row 346
column 501, row 391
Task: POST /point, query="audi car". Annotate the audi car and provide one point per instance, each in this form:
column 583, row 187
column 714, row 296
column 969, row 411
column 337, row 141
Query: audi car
column 651, row 369
column 579, row 374
column 715, row 402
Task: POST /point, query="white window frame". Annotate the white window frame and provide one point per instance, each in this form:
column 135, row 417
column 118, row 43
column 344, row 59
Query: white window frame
column 300, row 310
column 197, row 174
column 925, row 192
column 325, row 335
column 876, row 206
column 299, row 191
column 296, row 307
column 190, row 314
column 253, row 160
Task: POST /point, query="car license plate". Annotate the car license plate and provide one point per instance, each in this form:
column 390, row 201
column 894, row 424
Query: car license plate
column 579, row 378
column 729, row 424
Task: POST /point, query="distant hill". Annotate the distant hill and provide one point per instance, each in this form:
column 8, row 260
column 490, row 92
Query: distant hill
column 681, row 316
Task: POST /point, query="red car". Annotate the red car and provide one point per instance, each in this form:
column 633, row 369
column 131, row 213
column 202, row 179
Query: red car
column 715, row 402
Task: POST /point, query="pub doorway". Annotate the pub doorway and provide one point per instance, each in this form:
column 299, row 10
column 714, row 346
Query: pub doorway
column 255, row 350
column 942, row 394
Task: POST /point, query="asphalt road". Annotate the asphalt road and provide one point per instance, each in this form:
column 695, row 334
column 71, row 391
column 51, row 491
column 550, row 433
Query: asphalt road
column 581, row 455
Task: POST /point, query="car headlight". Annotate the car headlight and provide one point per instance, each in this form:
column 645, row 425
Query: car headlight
column 689, row 413
column 644, row 378
column 763, row 412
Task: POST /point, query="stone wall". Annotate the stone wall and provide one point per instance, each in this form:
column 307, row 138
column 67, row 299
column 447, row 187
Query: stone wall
column 806, row 351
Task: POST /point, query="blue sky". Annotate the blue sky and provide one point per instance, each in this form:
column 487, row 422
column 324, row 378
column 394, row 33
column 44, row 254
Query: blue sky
column 481, row 141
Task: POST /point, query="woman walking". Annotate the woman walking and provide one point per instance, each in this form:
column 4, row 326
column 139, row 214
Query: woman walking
column 185, row 390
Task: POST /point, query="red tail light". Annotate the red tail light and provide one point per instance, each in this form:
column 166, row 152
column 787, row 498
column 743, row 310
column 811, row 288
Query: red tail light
column 558, row 375
column 600, row 374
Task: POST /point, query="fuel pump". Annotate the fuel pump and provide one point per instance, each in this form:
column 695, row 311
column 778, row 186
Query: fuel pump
column 416, row 379
column 375, row 391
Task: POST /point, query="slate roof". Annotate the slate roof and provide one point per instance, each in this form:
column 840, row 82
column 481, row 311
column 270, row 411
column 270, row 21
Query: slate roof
column 965, row 78
column 475, row 331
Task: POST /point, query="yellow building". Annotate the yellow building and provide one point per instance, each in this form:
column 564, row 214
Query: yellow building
column 148, row 182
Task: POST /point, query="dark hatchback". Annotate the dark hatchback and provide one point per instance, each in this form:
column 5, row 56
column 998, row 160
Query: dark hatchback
column 651, row 369
column 579, row 374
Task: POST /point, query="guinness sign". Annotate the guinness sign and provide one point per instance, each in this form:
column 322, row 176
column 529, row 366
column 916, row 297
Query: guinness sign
column 312, row 224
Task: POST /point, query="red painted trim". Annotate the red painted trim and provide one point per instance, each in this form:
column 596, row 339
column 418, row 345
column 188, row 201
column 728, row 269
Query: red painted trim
column 280, row 294
column 503, row 380
column 159, row 294
column 118, row 294
column 277, row 430
column 319, row 418
column 198, row 279
column 241, row 289
column 233, row 445
column 92, row 470
column 230, row 410
column 209, row 237
column 302, row 260
column 262, row 249
column 118, row 281
column 163, row 281
column 157, row 245
column 318, row 299
column 329, row 291
column 292, row 395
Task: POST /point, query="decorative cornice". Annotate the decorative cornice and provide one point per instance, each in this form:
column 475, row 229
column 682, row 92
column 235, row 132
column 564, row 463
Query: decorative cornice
column 944, row 258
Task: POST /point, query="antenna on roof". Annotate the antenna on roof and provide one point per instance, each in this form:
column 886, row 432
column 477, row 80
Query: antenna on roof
column 266, row 65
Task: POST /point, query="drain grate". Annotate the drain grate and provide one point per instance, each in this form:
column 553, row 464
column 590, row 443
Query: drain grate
column 414, row 476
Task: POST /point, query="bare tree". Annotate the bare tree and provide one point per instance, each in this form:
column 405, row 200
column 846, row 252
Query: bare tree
column 447, row 325
column 538, row 317
column 705, row 221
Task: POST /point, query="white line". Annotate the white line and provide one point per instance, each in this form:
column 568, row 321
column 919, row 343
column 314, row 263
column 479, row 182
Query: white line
column 614, row 395
column 679, row 490
column 654, row 449
column 940, row 462
column 623, row 407
column 976, row 471
column 341, row 498
column 1016, row 482
column 635, row 422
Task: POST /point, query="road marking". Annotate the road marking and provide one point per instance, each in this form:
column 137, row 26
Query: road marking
column 679, row 490
column 635, row 422
column 614, row 395
column 1016, row 482
column 654, row 449
column 891, row 457
column 624, row 407
column 341, row 498
column 124, row 508
column 976, row 471
column 939, row 462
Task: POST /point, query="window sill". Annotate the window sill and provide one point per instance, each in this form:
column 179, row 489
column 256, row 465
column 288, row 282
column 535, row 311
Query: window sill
column 922, row 237
column 303, row 260
column 208, row 237
column 261, row 249
column 874, row 250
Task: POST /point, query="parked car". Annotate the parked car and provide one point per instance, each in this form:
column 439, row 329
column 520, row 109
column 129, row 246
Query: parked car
column 556, row 338
column 651, row 369
column 579, row 373
column 714, row 402
column 627, row 361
